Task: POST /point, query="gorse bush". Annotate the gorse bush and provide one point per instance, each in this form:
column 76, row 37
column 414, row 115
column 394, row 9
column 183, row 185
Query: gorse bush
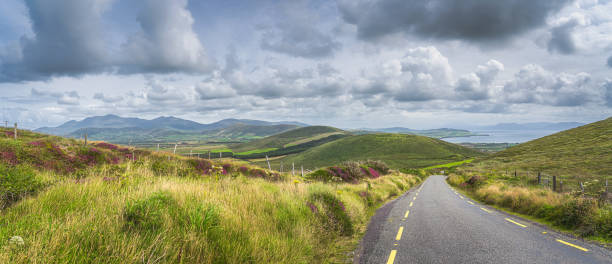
column 350, row 171
column 17, row 182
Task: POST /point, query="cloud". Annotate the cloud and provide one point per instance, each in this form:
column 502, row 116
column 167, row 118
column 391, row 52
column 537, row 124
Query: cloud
column 296, row 33
column 533, row 84
column 472, row 20
column 607, row 86
column 63, row 98
column 214, row 88
column 68, row 41
column 562, row 39
column 476, row 85
column 107, row 99
column 422, row 74
column 166, row 42
column 70, row 98
column 160, row 94
column 609, row 62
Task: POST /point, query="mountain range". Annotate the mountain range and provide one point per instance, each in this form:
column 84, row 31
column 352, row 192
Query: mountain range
column 163, row 122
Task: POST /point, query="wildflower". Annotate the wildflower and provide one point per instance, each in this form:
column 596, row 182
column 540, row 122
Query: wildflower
column 296, row 181
column 16, row 240
column 313, row 208
column 339, row 192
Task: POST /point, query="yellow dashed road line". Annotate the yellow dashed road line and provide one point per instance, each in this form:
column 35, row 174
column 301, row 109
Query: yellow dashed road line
column 399, row 233
column 410, row 204
column 392, row 257
column 461, row 197
column 414, row 198
column 406, row 214
column 471, row 202
column 516, row 223
column 486, row 210
column 572, row 245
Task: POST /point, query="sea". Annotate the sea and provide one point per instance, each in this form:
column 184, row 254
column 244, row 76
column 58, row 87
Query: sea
column 502, row 136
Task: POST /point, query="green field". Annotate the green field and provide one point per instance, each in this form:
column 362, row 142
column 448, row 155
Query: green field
column 449, row 165
column 397, row 150
column 255, row 151
column 288, row 137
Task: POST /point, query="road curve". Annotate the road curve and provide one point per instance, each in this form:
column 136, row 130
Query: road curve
column 434, row 224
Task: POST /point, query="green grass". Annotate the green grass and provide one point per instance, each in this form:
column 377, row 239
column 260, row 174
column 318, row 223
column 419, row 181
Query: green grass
column 582, row 154
column 397, row 150
column 282, row 139
column 255, row 151
column 221, row 150
column 449, row 165
column 163, row 208
column 313, row 138
column 582, row 216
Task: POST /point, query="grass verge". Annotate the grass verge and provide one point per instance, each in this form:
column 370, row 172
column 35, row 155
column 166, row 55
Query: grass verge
column 583, row 216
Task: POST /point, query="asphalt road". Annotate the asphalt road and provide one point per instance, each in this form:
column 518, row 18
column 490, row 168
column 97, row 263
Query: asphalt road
column 434, row 224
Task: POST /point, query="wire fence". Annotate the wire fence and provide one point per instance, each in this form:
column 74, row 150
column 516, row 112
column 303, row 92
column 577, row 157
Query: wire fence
column 597, row 187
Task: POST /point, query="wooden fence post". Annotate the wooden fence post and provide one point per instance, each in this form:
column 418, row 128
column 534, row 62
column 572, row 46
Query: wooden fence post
column 302, row 171
column 292, row 169
column 281, row 167
column 85, row 136
column 514, row 173
column 220, row 154
column 15, row 134
column 560, row 185
column 539, row 178
column 190, row 152
column 174, row 152
column 157, row 147
column 554, row 183
column 268, row 161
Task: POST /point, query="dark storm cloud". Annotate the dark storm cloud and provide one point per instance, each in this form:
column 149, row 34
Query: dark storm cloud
column 473, row 20
column 561, row 38
column 297, row 33
column 68, row 41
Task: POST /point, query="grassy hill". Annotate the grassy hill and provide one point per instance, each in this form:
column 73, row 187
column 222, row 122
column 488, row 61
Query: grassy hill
column 579, row 154
column 397, row 150
column 62, row 201
column 288, row 138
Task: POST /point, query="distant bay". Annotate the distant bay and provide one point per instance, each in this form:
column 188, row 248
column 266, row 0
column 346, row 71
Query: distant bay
column 502, row 136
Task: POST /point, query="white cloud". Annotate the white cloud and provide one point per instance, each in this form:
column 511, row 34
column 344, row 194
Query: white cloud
column 167, row 42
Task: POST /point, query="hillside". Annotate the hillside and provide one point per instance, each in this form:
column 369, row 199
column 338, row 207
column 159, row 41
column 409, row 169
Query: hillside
column 62, row 201
column 288, row 138
column 397, row 150
column 581, row 153
column 236, row 132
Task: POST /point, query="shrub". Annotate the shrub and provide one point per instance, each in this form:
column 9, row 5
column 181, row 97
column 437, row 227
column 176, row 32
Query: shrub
column 335, row 215
column 148, row 214
column 17, row 182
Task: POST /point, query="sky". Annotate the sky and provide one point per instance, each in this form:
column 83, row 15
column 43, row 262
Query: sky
column 344, row 63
